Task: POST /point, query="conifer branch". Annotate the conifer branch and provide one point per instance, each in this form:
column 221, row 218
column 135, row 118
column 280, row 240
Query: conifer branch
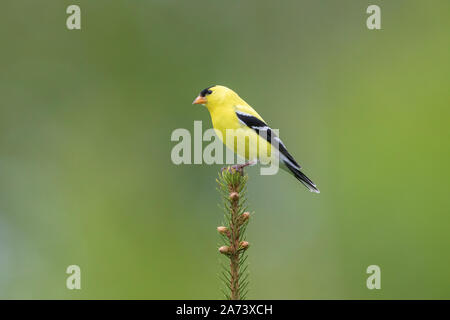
column 232, row 186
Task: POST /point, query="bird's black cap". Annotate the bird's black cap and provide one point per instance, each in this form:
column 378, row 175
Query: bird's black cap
column 205, row 91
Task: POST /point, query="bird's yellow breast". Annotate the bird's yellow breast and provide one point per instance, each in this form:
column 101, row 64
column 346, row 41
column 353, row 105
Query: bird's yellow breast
column 241, row 139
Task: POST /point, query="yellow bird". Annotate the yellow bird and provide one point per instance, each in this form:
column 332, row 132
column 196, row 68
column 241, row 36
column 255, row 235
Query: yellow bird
column 231, row 113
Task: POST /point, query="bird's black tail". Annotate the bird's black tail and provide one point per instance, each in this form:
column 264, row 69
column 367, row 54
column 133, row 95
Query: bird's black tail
column 302, row 178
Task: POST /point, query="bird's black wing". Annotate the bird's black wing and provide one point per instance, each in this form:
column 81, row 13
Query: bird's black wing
column 263, row 130
column 261, row 127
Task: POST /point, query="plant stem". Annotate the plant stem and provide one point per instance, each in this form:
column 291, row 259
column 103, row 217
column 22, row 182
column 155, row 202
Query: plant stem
column 234, row 241
column 232, row 184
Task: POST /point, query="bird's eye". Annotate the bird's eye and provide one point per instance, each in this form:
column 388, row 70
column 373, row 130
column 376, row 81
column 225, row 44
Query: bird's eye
column 206, row 91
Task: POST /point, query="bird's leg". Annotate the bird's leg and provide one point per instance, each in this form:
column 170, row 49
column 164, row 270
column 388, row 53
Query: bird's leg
column 240, row 167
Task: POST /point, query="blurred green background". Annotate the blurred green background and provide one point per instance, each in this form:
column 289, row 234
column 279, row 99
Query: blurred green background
column 85, row 124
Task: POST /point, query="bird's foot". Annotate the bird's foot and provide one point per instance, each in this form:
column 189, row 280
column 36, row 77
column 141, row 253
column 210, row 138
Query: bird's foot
column 240, row 167
column 237, row 167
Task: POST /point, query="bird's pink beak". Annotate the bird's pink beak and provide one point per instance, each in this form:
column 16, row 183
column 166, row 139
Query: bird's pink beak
column 200, row 100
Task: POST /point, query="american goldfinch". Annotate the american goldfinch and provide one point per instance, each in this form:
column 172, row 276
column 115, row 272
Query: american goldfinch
column 229, row 112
